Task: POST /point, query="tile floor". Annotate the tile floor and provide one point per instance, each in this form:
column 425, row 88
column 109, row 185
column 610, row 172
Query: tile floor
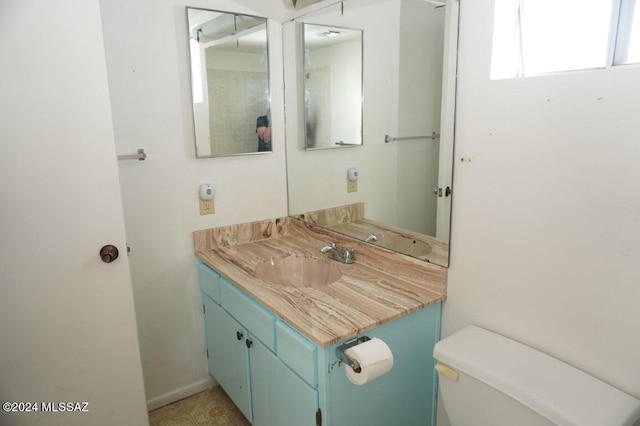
column 211, row 407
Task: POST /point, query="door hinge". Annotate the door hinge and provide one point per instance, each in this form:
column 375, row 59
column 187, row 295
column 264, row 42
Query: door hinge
column 319, row 417
column 204, row 310
column 207, row 353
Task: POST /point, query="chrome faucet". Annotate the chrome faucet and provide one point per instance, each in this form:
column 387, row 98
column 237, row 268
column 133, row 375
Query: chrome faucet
column 341, row 254
column 331, row 246
column 371, row 238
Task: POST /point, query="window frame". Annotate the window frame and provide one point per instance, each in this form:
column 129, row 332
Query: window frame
column 620, row 29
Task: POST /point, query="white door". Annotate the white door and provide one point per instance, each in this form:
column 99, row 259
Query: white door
column 67, row 320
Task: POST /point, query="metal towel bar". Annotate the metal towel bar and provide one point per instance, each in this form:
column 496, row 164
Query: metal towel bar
column 432, row 136
column 140, row 156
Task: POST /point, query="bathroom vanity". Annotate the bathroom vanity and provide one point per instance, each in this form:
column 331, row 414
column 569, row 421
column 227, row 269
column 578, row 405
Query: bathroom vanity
column 273, row 342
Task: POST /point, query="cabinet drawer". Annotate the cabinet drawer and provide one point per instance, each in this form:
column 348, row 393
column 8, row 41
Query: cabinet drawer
column 209, row 281
column 256, row 319
column 297, row 353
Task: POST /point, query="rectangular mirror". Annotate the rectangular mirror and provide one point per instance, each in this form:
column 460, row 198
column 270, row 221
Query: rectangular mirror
column 230, row 83
column 402, row 199
column 332, row 86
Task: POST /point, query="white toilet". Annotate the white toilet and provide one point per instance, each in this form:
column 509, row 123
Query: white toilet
column 489, row 380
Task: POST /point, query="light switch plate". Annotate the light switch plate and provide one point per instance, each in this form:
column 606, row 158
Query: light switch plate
column 352, row 185
column 207, row 207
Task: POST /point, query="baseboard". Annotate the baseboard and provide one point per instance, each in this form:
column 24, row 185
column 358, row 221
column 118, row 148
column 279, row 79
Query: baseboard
column 181, row 393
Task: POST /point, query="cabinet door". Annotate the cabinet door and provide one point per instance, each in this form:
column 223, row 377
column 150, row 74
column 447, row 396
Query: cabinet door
column 280, row 397
column 228, row 354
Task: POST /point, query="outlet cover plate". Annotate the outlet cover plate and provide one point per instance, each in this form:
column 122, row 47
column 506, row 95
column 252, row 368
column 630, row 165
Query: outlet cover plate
column 207, row 207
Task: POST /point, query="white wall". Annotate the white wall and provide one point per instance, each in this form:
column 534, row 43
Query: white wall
column 147, row 60
column 546, row 215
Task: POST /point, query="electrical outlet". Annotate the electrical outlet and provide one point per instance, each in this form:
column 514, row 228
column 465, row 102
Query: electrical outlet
column 207, row 207
column 352, row 185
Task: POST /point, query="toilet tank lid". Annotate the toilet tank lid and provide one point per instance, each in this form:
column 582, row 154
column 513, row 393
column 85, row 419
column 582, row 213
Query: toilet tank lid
column 552, row 388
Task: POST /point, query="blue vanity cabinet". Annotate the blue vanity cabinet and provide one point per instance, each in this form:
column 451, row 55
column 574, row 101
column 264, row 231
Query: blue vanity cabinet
column 228, row 354
column 209, row 281
column 406, row 395
column 280, row 396
column 278, row 377
column 240, row 337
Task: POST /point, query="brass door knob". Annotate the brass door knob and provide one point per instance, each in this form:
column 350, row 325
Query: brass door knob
column 109, row 253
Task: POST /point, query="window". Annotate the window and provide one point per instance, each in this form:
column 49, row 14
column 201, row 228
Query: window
column 628, row 43
column 534, row 37
column 196, row 72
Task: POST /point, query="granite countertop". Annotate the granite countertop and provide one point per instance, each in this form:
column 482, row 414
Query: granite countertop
column 380, row 286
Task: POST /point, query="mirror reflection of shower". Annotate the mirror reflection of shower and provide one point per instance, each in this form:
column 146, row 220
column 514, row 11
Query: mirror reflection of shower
column 332, row 86
column 230, row 82
column 317, row 107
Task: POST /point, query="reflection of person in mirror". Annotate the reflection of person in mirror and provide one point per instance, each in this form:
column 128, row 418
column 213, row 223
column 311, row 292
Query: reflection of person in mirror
column 264, row 133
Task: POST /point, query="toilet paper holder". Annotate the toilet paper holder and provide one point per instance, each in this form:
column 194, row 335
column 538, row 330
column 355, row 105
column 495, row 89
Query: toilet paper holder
column 349, row 344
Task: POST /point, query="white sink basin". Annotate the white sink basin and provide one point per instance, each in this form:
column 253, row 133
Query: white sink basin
column 295, row 271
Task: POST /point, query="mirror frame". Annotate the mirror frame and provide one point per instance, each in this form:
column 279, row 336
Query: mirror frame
column 191, row 83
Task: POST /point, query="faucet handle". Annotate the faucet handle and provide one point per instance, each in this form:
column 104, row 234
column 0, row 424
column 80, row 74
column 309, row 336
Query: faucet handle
column 347, row 255
column 330, row 247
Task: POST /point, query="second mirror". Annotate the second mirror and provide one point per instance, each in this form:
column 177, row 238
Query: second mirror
column 332, row 86
column 230, row 83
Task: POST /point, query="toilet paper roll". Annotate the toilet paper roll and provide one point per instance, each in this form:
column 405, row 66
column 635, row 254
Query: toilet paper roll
column 375, row 359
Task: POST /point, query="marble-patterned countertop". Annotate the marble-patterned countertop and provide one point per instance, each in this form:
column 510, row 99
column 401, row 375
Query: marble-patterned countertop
column 380, row 286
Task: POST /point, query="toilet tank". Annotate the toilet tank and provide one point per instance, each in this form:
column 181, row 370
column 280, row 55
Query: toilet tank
column 488, row 379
